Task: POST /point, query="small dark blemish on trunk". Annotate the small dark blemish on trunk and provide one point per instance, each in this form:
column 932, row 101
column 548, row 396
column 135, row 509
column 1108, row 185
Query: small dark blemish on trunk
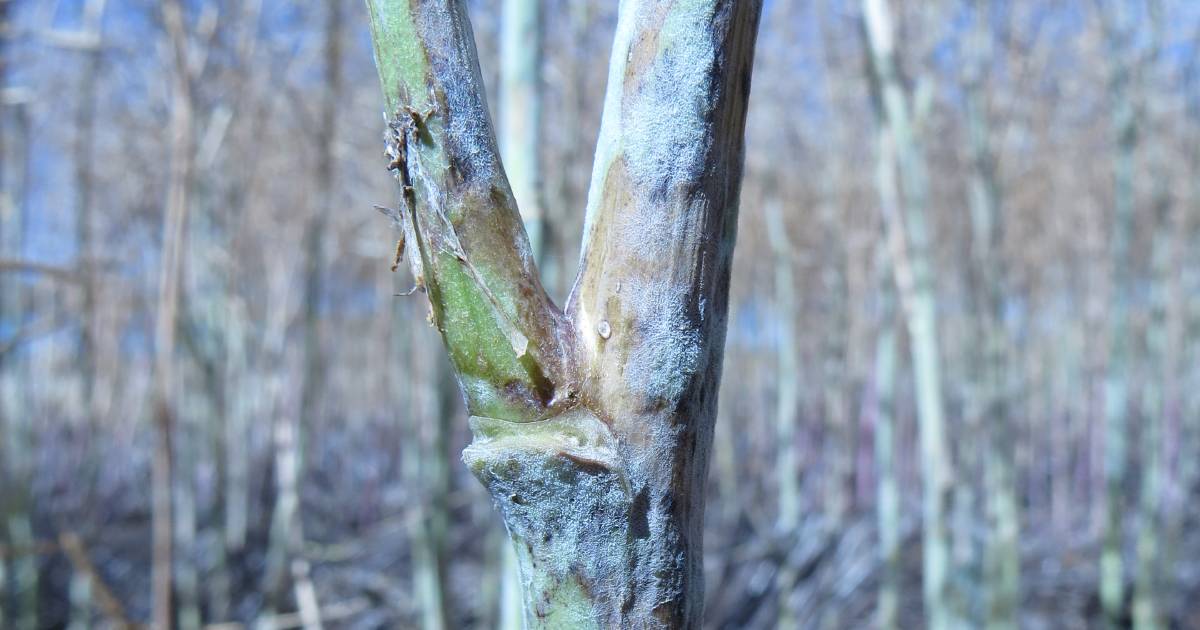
column 639, row 514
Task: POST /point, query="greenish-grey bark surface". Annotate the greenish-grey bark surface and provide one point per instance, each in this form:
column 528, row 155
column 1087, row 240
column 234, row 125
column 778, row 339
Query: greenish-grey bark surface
column 593, row 423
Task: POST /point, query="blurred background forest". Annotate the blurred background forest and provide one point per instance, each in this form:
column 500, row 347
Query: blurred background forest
column 965, row 312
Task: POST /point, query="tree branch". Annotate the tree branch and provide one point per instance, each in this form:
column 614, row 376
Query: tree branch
column 506, row 339
column 59, row 273
column 650, row 299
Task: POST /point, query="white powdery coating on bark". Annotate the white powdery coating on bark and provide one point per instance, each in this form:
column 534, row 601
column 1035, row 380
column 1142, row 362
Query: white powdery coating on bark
column 625, row 554
column 671, row 131
column 669, row 341
column 470, row 127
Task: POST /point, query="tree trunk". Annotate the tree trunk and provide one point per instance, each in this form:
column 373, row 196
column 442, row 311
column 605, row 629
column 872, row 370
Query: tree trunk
column 888, row 486
column 16, row 427
column 787, row 398
column 520, row 141
column 173, row 244
column 913, row 270
column 1120, row 358
column 287, row 554
column 1001, row 553
column 593, row 424
column 888, row 491
column 425, row 470
column 85, row 127
column 787, row 357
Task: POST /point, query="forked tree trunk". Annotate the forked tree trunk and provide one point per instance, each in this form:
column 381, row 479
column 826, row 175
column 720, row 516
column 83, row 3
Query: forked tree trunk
column 592, row 424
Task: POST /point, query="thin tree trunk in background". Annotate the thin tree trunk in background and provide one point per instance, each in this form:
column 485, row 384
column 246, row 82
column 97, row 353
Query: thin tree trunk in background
column 1156, row 392
column 1158, row 375
column 237, row 464
column 520, row 140
column 287, row 557
column 1183, row 350
column 15, row 383
column 519, row 131
column 787, row 469
column 16, row 434
column 835, row 372
column 1001, row 561
column 888, row 507
column 914, row 276
column 242, row 384
column 84, row 164
column 170, row 272
column 189, row 406
column 426, row 469
column 314, row 371
column 82, row 153
column 1120, row 359
column 787, row 364
column 888, row 487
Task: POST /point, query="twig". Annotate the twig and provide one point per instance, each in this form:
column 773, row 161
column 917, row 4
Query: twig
column 37, row 548
column 59, row 273
column 41, row 327
column 72, row 547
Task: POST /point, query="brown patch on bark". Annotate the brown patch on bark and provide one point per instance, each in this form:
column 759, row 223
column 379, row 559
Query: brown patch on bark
column 587, row 466
column 643, row 51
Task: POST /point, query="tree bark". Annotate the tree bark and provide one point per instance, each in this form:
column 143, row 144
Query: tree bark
column 888, row 486
column 1116, row 405
column 788, row 361
column 287, row 555
column 16, row 430
column 914, row 276
column 1001, row 561
column 170, row 271
column 593, row 424
column 85, row 132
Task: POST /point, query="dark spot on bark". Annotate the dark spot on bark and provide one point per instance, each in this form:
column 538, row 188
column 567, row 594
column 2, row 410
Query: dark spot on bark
column 584, row 584
column 639, row 515
column 459, row 163
column 543, row 387
column 517, row 499
column 669, row 610
column 667, row 502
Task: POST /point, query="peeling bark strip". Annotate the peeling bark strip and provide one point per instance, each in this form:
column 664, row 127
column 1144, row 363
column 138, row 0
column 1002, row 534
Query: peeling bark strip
column 592, row 427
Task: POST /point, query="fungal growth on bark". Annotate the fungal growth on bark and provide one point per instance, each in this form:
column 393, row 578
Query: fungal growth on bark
column 592, row 422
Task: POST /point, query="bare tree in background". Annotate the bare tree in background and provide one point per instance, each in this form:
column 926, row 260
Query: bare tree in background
column 16, row 422
column 913, row 268
column 990, row 278
column 173, row 244
column 1119, row 27
column 290, row 429
column 519, row 139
